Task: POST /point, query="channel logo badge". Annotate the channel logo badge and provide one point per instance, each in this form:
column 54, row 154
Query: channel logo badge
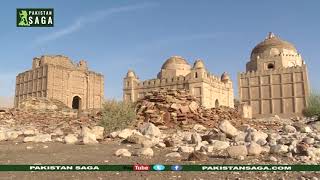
column 176, row 168
column 158, row 167
column 140, row 167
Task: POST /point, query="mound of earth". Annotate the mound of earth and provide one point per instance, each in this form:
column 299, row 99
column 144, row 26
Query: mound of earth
column 42, row 104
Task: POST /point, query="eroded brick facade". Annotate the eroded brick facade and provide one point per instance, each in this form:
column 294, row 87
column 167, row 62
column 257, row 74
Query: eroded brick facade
column 57, row 77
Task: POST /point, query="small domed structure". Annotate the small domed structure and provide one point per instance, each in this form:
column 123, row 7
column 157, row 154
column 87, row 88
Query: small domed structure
column 131, row 73
column 175, row 62
column 198, row 64
column 225, row 77
column 174, row 66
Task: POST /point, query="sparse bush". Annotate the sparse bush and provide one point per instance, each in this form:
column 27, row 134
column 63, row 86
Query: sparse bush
column 313, row 106
column 117, row 115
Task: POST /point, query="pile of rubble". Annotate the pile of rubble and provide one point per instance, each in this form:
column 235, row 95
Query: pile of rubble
column 40, row 116
column 178, row 107
column 42, row 104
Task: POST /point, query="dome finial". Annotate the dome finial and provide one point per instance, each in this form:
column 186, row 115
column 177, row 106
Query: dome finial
column 131, row 73
column 270, row 35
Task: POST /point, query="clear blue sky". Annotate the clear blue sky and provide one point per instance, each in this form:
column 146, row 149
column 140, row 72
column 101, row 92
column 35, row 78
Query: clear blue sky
column 114, row 36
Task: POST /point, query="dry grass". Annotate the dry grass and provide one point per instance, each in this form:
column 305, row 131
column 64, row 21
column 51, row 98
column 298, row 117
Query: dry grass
column 117, row 115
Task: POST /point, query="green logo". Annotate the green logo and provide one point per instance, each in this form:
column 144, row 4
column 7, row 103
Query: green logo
column 33, row 17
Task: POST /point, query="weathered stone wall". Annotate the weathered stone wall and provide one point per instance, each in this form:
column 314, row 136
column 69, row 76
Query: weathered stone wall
column 281, row 91
column 63, row 82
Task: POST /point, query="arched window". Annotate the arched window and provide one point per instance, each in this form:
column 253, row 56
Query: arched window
column 196, row 75
column 270, row 66
column 76, row 102
column 217, row 103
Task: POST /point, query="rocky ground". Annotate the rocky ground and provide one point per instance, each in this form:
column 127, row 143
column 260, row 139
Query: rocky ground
column 54, row 135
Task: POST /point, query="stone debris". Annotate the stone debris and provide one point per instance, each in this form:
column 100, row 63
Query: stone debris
column 218, row 145
column 37, row 116
column 195, row 138
column 185, row 149
column 137, row 139
column 70, row 139
column 145, row 152
column 98, row 131
column 123, row 152
column 173, row 155
column 254, row 149
column 150, row 129
column 124, row 134
column 237, row 151
column 38, row 138
column 197, row 156
column 226, row 127
column 178, row 107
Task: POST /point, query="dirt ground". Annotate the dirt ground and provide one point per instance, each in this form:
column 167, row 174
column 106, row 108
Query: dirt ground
column 58, row 153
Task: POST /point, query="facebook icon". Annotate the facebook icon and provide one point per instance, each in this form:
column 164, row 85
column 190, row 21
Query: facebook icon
column 176, row 168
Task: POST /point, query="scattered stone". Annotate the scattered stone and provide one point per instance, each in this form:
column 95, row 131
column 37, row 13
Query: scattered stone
column 114, row 134
column 136, row 139
column 124, row 134
column 199, row 127
column 70, row 139
column 237, row 151
column 226, row 127
column 185, row 149
column 240, row 137
column 218, row 145
column 147, row 144
column 89, row 139
column 145, row 152
column 173, row 155
column 273, row 159
column 3, row 136
column 11, row 135
column 195, row 138
column 98, row 132
column 168, row 142
column 279, row 149
column 289, row 129
column 258, row 135
column 58, row 132
column 29, row 132
column 302, row 127
column 161, row 145
column 308, row 140
column 150, row 129
column 123, row 152
column 38, row 138
column 197, row 156
column 254, row 149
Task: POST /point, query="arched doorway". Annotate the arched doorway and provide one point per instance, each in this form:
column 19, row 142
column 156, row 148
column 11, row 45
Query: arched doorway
column 76, row 102
column 217, row 103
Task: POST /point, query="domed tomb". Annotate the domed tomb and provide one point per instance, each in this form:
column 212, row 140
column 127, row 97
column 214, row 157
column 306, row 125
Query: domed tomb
column 174, row 66
column 273, row 53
